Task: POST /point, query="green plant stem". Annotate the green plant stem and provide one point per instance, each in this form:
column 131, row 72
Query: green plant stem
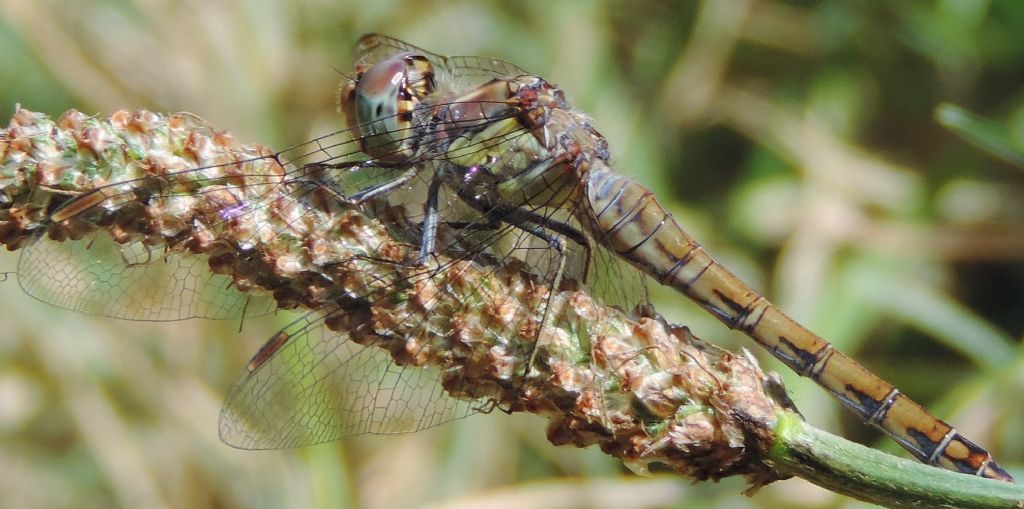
column 873, row 476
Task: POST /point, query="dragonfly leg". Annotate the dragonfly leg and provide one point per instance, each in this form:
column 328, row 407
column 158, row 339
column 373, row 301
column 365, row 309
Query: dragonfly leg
column 430, row 221
column 528, row 220
column 495, row 216
column 549, row 230
column 558, row 244
column 314, row 176
column 490, row 405
column 382, row 189
column 565, row 229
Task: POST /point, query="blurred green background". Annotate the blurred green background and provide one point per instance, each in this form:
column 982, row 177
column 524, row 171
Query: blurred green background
column 805, row 143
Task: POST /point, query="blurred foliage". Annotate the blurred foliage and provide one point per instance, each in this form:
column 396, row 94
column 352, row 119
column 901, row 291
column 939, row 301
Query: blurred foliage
column 798, row 140
column 985, row 134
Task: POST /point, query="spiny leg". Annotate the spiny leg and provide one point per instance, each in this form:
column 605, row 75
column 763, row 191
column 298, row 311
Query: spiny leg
column 382, row 189
column 562, row 228
column 518, row 217
column 523, row 219
column 431, row 213
column 315, row 173
column 431, row 218
column 538, row 226
column 558, row 244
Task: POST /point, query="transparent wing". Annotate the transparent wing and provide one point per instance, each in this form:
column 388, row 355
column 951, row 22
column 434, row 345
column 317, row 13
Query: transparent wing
column 617, row 283
column 309, row 385
column 469, row 67
column 135, row 281
column 460, row 72
column 372, row 48
column 98, row 276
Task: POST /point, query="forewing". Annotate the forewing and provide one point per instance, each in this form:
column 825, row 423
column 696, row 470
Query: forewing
column 372, row 48
column 160, row 282
column 482, row 68
column 131, row 281
column 457, row 74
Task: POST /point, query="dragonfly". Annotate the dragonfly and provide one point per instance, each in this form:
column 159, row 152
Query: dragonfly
column 475, row 158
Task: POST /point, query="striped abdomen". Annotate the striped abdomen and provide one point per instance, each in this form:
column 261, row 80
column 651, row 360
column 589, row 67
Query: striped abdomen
column 626, row 218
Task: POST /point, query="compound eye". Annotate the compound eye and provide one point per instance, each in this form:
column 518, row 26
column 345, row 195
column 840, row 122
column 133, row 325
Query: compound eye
column 380, row 88
column 381, row 102
column 382, row 109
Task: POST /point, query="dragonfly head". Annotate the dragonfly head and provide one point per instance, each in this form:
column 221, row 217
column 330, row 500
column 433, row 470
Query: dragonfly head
column 379, row 103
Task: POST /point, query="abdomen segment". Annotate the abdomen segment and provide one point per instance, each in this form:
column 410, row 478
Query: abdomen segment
column 626, row 218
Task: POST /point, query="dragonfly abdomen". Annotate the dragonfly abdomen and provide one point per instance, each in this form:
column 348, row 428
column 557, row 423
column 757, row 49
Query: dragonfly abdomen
column 625, row 217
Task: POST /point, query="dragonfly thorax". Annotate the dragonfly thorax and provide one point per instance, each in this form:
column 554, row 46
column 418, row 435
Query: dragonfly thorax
column 379, row 104
column 525, row 147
